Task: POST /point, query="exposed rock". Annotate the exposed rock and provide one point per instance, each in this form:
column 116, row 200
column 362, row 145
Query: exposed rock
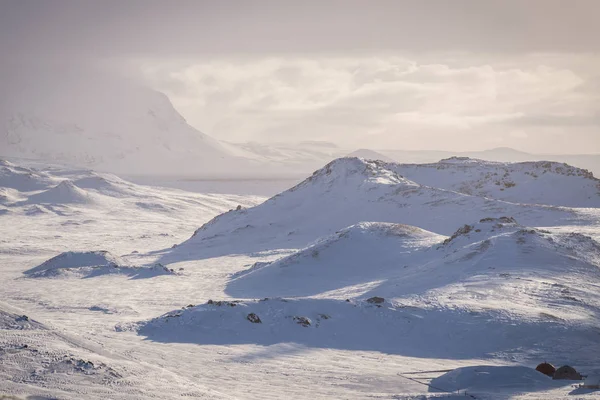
column 376, row 300
column 253, row 318
column 304, row 321
column 461, row 231
column 220, row 303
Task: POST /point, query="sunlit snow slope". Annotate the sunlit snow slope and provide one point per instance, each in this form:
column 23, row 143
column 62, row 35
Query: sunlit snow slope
column 352, row 190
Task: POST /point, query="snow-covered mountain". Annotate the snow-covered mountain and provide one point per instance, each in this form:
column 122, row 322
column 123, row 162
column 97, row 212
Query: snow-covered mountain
column 370, row 155
column 105, row 122
column 351, row 190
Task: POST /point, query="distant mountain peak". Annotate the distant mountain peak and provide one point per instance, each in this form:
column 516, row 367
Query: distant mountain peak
column 370, row 155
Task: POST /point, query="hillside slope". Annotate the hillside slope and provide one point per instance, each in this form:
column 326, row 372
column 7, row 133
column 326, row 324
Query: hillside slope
column 492, row 289
column 343, row 193
column 539, row 182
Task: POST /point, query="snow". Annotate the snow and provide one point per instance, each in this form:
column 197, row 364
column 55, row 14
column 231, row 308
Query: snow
column 64, row 193
column 22, row 179
column 475, row 290
column 371, row 252
column 498, row 378
column 78, row 260
column 348, row 191
column 87, row 118
column 592, row 381
column 540, row 182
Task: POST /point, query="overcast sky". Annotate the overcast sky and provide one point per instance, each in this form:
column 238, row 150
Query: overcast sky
column 455, row 75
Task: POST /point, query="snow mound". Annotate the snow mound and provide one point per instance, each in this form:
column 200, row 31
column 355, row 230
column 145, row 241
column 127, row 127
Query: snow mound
column 376, row 325
column 64, row 193
column 361, row 253
column 10, row 321
column 93, row 263
column 535, row 182
column 346, row 192
column 23, row 179
column 8, row 195
column 108, row 185
column 36, row 210
column 494, row 379
column 78, row 259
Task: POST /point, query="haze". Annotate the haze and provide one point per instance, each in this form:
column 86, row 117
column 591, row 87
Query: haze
column 410, row 75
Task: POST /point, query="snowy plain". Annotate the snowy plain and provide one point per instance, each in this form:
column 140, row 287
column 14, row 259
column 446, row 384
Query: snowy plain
column 112, row 290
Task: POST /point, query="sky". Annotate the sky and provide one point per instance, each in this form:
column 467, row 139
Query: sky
column 447, row 75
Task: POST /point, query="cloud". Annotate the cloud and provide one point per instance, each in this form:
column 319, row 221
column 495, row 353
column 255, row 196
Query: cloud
column 74, row 28
column 413, row 74
column 387, row 100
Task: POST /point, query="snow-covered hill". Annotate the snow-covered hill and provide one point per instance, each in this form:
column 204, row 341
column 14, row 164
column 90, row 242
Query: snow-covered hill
column 493, row 288
column 540, row 182
column 498, row 255
column 500, row 154
column 339, row 307
column 360, row 254
column 75, row 199
column 348, row 191
column 23, row 179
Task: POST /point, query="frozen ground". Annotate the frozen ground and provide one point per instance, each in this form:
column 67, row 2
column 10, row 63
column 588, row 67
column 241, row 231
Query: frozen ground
column 493, row 299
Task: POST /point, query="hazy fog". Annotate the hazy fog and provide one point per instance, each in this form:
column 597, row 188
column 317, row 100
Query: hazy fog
column 461, row 75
